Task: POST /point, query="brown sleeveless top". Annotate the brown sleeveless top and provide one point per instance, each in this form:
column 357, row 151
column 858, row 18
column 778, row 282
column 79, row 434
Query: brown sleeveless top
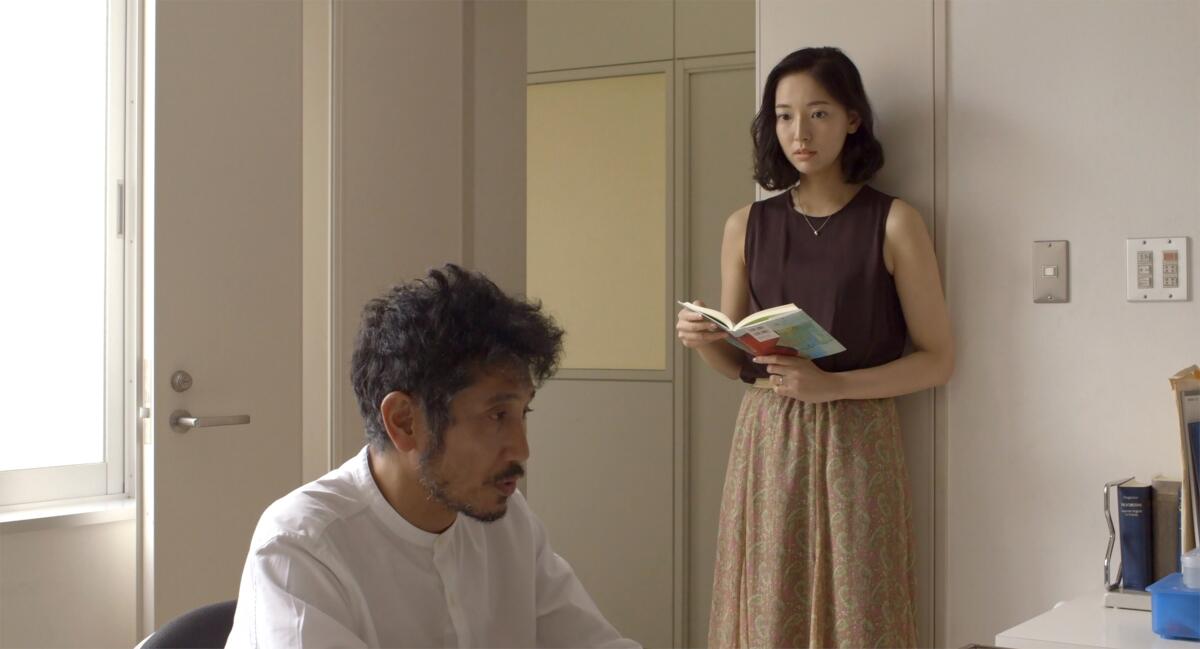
column 838, row 278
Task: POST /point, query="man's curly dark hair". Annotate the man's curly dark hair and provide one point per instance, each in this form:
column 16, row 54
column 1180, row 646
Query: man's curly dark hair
column 428, row 337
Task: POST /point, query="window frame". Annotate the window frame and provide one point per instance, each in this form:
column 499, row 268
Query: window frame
column 112, row 476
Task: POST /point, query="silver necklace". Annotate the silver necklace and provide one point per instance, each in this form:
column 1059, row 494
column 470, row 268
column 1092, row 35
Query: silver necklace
column 816, row 231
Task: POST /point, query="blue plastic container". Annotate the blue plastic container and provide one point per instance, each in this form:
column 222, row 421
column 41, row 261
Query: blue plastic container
column 1174, row 608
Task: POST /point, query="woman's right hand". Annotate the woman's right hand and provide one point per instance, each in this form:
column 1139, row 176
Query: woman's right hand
column 694, row 331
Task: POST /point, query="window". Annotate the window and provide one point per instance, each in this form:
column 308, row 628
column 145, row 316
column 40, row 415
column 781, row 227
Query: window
column 63, row 275
column 597, row 185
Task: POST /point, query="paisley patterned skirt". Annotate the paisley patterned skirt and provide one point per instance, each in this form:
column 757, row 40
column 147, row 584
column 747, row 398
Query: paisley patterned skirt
column 815, row 546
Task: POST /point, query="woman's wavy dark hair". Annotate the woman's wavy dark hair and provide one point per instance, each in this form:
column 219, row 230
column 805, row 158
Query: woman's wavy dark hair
column 862, row 155
column 427, row 338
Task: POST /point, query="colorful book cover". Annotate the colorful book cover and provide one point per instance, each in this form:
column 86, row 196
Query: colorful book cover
column 795, row 334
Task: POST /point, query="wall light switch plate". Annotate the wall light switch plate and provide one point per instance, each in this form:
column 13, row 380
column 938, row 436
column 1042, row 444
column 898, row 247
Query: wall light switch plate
column 1050, row 272
column 1156, row 269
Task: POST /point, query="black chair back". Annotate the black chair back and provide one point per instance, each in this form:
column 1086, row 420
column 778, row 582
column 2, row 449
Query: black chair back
column 204, row 628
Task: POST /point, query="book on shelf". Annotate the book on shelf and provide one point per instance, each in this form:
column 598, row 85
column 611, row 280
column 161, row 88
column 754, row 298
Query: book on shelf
column 1135, row 518
column 785, row 330
column 1186, row 385
column 1167, row 526
column 1193, row 441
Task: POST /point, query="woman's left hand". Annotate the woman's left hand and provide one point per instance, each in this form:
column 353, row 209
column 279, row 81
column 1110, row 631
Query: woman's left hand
column 799, row 378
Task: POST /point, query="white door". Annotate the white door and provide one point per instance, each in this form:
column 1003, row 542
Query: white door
column 225, row 306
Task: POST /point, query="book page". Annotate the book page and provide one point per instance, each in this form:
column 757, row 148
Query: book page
column 713, row 315
column 766, row 314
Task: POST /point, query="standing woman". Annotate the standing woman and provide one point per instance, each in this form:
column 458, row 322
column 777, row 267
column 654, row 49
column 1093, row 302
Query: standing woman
column 815, row 546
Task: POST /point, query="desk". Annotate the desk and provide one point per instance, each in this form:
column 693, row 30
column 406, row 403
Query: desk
column 1085, row 623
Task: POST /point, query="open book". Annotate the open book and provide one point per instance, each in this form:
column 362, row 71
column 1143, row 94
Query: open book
column 786, row 330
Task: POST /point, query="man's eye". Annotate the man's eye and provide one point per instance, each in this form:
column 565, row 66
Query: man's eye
column 820, row 114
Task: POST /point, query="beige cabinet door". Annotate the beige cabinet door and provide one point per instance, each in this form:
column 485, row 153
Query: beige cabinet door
column 718, row 97
column 224, row 304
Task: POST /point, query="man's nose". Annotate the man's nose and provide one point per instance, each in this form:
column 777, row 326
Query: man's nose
column 517, row 448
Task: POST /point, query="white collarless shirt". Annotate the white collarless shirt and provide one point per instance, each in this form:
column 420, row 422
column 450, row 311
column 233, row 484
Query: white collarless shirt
column 333, row 565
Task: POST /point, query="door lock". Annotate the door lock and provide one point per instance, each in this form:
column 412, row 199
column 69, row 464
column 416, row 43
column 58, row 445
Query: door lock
column 181, row 381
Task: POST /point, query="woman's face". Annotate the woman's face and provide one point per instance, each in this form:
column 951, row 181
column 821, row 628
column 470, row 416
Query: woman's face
column 810, row 125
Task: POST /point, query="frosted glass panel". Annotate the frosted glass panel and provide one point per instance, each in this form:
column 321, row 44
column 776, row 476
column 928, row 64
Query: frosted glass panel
column 597, row 188
column 53, row 58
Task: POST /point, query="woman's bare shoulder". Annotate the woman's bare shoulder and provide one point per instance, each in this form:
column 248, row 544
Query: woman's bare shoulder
column 735, row 234
column 903, row 215
column 737, row 221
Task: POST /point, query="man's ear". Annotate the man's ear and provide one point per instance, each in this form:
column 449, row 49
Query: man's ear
column 399, row 414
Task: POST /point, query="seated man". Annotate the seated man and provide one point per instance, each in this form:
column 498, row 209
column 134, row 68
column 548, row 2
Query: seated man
column 422, row 539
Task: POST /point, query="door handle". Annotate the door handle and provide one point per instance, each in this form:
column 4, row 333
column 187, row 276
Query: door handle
column 182, row 421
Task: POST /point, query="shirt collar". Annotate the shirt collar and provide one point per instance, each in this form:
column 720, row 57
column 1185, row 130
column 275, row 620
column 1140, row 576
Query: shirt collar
column 384, row 511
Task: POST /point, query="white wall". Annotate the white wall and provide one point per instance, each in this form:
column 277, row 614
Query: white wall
column 1077, row 120
column 67, row 586
column 428, row 157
